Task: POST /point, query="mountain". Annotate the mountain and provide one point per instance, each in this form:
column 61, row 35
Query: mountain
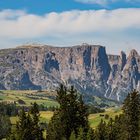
column 88, row 67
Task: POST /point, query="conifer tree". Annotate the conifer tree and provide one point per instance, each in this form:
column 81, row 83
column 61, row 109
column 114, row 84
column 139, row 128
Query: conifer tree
column 81, row 135
column 5, row 126
column 90, row 134
column 101, row 131
column 37, row 132
column 73, row 136
column 22, row 131
column 70, row 117
column 27, row 127
column 119, row 130
column 111, row 130
column 131, row 110
column 55, row 129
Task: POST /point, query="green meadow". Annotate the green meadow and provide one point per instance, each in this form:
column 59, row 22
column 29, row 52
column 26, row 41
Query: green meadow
column 28, row 97
column 94, row 119
column 47, row 99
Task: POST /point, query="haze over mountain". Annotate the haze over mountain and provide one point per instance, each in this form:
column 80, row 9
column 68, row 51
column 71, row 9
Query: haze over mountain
column 88, row 67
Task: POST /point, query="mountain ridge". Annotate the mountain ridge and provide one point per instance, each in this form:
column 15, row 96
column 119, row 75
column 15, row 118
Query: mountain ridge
column 88, row 67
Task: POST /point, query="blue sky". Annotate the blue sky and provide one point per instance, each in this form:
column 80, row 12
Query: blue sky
column 112, row 23
column 45, row 6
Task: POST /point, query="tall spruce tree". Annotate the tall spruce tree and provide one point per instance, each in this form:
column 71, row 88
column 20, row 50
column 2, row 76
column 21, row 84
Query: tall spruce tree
column 110, row 129
column 131, row 110
column 70, row 117
column 22, row 131
column 27, row 127
column 119, row 130
column 88, row 136
column 5, row 126
column 101, row 131
column 36, row 130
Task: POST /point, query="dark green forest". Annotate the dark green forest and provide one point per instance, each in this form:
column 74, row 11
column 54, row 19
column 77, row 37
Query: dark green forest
column 70, row 120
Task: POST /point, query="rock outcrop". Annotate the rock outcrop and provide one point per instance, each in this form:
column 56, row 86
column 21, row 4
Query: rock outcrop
column 87, row 67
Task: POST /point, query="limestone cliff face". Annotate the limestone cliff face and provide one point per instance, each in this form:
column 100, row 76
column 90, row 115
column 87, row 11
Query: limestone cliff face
column 124, row 76
column 87, row 67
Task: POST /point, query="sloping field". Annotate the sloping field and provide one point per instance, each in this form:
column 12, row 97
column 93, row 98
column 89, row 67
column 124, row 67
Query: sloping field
column 26, row 97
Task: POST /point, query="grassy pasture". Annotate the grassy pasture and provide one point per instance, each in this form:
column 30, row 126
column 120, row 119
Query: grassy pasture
column 47, row 99
column 94, row 119
column 28, row 96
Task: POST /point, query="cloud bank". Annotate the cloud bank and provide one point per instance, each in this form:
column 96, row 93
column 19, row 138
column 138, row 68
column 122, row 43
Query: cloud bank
column 18, row 26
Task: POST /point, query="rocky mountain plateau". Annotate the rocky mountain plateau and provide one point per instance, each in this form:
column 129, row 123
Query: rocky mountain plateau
column 88, row 67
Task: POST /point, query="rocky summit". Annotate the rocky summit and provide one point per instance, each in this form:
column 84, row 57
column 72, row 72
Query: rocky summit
column 88, row 67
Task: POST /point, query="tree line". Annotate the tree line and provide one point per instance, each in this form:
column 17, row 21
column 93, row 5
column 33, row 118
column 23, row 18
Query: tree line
column 70, row 121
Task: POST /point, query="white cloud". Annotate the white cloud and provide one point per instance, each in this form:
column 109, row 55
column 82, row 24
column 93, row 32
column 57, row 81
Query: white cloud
column 102, row 26
column 99, row 2
column 106, row 2
column 19, row 24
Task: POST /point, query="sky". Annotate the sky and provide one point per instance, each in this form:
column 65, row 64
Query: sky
column 111, row 23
